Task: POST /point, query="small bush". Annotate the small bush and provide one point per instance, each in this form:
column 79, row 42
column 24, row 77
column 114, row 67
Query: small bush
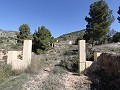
column 79, row 38
column 17, row 72
column 70, row 64
column 70, row 61
column 39, row 51
column 36, row 66
column 13, row 82
column 5, row 71
column 89, row 57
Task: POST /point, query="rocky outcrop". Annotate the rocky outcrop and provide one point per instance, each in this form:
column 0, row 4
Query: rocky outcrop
column 105, row 72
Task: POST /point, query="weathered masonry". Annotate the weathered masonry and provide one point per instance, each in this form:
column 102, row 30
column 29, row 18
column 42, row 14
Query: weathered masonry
column 26, row 59
column 83, row 64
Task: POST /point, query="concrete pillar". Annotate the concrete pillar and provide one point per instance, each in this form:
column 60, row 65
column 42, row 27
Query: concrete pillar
column 70, row 42
column 27, row 49
column 12, row 55
column 88, row 64
column 96, row 55
column 82, row 55
column 1, row 55
column 52, row 45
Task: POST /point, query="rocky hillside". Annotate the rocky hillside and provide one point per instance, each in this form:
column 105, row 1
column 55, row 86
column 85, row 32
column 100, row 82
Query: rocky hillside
column 5, row 33
column 8, row 39
column 71, row 36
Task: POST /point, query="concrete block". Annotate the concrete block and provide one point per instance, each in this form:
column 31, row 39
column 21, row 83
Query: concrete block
column 19, row 64
column 12, row 55
column 88, row 64
column 70, row 42
column 19, row 52
column 96, row 55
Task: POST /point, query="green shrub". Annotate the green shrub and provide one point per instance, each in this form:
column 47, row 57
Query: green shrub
column 23, row 34
column 36, row 66
column 70, row 64
column 89, row 57
column 42, row 40
column 6, row 71
column 79, row 38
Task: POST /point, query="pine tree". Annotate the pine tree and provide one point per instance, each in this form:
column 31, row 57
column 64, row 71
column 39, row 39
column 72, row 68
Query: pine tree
column 42, row 39
column 99, row 21
column 116, row 37
column 119, row 14
column 24, row 34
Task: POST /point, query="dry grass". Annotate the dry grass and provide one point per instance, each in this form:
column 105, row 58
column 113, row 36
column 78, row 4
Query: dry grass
column 9, row 79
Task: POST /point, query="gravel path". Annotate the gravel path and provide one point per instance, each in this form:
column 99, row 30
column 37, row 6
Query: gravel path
column 75, row 82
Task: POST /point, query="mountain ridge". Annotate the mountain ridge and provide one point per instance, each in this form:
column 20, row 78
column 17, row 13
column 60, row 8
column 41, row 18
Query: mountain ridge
column 72, row 36
column 7, row 33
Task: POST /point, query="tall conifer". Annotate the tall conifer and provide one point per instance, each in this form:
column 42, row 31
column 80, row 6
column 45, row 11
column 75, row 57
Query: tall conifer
column 98, row 24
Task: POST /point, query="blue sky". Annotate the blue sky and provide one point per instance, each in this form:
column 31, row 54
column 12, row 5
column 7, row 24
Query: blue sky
column 59, row 16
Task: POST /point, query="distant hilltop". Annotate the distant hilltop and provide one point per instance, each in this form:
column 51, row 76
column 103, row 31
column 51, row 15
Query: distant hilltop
column 71, row 36
column 6, row 33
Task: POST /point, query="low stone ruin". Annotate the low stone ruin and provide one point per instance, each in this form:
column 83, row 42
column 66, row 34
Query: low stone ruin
column 83, row 64
column 18, row 63
column 22, row 59
column 107, row 59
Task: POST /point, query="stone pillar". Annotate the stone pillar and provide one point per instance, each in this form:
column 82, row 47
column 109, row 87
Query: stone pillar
column 1, row 55
column 12, row 55
column 27, row 49
column 96, row 55
column 70, row 42
column 52, row 45
column 82, row 55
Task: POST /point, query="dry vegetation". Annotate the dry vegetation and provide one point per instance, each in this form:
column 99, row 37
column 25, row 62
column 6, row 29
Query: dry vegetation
column 53, row 70
column 48, row 71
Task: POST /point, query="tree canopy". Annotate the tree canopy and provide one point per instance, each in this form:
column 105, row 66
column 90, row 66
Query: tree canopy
column 99, row 21
column 23, row 34
column 119, row 14
column 42, row 39
column 116, row 37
